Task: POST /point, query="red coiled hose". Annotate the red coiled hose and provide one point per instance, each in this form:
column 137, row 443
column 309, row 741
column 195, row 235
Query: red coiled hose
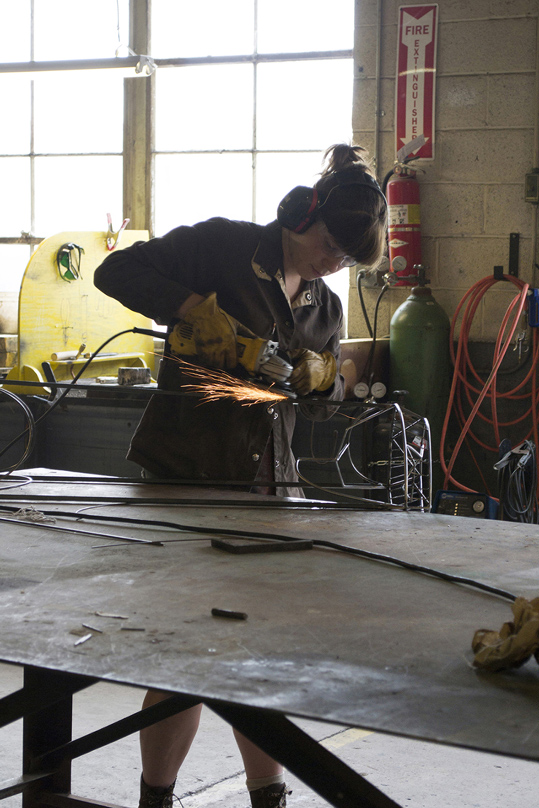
column 467, row 382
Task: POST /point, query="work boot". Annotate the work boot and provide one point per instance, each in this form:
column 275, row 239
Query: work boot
column 273, row 796
column 155, row 797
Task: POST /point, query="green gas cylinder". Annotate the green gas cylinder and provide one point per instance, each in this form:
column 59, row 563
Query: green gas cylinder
column 420, row 360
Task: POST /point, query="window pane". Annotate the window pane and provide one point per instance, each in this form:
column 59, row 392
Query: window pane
column 13, row 261
column 204, row 28
column 277, row 174
column 15, row 101
column 340, row 284
column 204, row 108
column 194, row 187
column 78, row 112
column 315, row 119
column 314, row 26
column 15, row 197
column 76, row 193
column 16, row 30
column 68, row 30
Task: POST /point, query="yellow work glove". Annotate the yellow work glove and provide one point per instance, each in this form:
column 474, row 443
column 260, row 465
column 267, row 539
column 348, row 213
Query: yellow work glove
column 514, row 643
column 312, row 371
column 213, row 335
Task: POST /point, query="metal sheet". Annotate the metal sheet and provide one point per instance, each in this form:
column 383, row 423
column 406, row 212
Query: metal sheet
column 328, row 636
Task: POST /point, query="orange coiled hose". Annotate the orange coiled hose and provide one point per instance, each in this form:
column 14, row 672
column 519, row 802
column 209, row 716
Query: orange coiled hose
column 467, row 382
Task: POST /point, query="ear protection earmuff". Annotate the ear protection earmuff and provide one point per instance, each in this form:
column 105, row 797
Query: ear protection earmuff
column 299, row 208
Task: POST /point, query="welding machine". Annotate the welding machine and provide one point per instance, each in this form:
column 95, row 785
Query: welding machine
column 464, row 503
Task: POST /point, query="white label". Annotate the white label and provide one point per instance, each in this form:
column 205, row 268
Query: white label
column 398, row 214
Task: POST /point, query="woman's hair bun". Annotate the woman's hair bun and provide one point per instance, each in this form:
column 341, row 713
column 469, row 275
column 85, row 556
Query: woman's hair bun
column 342, row 156
column 353, row 209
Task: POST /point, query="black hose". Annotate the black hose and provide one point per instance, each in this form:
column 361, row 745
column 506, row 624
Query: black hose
column 362, row 304
column 367, row 369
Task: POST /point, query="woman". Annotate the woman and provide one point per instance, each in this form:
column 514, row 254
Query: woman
column 220, row 277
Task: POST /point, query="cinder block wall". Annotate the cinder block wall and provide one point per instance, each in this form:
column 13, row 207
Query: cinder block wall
column 472, row 194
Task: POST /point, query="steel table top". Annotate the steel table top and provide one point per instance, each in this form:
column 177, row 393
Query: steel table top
column 328, row 635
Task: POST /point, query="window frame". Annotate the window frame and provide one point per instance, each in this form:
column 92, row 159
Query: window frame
column 139, row 119
column 254, row 59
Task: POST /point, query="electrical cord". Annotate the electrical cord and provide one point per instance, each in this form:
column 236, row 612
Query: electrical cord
column 15, row 482
column 366, row 373
column 462, row 386
column 517, row 484
column 445, row 576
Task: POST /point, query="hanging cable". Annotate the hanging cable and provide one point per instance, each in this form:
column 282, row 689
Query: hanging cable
column 517, row 484
column 366, row 373
column 359, row 278
column 468, row 385
column 29, row 433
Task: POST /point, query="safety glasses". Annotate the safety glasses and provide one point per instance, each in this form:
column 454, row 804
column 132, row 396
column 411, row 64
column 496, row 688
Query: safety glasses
column 68, row 261
column 334, row 253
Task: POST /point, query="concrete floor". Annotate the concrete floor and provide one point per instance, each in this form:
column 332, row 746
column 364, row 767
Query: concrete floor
column 415, row 774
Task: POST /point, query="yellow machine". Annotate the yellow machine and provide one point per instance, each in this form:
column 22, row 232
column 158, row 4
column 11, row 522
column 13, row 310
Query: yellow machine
column 63, row 318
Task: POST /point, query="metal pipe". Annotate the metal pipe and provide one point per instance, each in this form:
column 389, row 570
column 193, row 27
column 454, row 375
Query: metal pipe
column 253, row 57
column 129, row 63
column 89, row 533
column 377, row 83
column 279, row 503
column 52, row 66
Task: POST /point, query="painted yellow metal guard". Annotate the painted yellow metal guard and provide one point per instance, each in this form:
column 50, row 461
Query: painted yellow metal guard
column 58, row 316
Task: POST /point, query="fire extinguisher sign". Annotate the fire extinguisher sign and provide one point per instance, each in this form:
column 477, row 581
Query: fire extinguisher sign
column 416, row 71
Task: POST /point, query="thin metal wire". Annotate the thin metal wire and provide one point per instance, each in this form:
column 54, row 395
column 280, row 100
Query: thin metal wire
column 29, row 433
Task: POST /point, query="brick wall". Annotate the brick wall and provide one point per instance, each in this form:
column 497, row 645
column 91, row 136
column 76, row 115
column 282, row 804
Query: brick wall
column 472, row 194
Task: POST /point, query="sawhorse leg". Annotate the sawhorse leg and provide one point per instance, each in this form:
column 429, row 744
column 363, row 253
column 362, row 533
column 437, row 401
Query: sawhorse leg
column 45, row 703
column 48, row 727
column 318, row 768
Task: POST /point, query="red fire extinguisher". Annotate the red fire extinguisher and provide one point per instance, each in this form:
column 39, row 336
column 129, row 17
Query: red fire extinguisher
column 404, row 231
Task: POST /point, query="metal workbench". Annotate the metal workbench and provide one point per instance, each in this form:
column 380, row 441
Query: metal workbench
column 328, row 635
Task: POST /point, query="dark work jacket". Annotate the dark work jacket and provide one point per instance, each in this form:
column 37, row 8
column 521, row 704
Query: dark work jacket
column 179, row 437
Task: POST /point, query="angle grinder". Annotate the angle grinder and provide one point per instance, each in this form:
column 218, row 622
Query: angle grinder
column 261, row 358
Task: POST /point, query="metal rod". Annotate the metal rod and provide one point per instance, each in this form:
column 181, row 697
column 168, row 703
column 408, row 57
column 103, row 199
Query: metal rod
column 151, row 391
column 92, row 534
column 128, row 62
column 51, row 66
column 268, row 502
column 10, row 788
column 23, row 702
column 253, row 58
